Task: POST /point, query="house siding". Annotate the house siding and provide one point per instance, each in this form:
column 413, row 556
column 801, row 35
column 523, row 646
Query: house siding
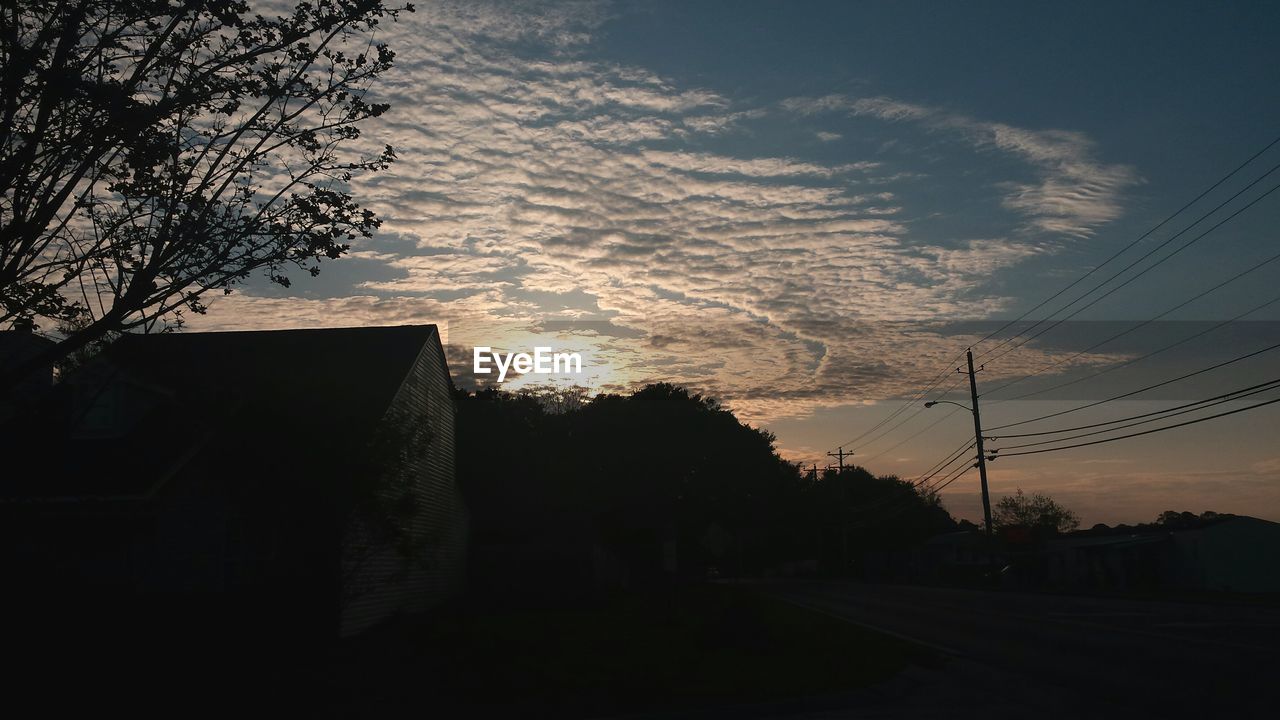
column 382, row 578
column 1236, row 555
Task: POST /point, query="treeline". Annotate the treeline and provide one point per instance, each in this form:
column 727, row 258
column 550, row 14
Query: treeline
column 1169, row 520
column 566, row 491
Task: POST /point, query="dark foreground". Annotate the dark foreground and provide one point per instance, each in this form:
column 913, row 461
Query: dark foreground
column 696, row 649
column 689, row 650
column 796, row 650
column 1025, row 655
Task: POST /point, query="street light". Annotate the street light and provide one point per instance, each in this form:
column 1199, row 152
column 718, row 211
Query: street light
column 931, row 403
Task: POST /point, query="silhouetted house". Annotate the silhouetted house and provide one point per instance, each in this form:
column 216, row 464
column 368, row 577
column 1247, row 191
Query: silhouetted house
column 16, row 348
column 954, row 557
column 1232, row 554
column 298, row 482
column 1226, row 554
column 1137, row 561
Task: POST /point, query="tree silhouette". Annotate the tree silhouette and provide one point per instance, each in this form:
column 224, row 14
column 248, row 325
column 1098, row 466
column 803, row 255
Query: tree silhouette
column 1033, row 511
column 1185, row 520
column 662, row 464
column 153, row 151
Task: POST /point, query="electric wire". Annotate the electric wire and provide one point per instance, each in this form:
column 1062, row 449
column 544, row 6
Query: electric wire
column 910, row 437
column 919, row 408
column 1140, row 390
column 1201, row 406
column 938, row 378
column 1140, row 358
column 1144, row 323
column 994, row 438
column 1145, row 432
column 1139, row 239
column 910, row 402
column 1140, row 273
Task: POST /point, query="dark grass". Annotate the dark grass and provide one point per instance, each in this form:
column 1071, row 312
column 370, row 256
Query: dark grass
column 696, row 646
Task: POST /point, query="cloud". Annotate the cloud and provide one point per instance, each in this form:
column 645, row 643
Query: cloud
column 753, row 167
column 529, row 171
column 1270, row 466
column 1074, row 192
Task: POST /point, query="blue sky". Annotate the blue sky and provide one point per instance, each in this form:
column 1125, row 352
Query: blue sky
column 790, row 205
column 1176, row 91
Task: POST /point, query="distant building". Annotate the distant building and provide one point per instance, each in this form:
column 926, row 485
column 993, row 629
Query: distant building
column 1232, row 554
column 294, row 482
column 954, row 557
column 1222, row 553
column 1228, row 553
column 1106, row 562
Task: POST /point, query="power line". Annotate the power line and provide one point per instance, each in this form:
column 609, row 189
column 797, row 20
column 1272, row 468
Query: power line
column 1131, row 417
column 1121, row 251
column 1140, row 390
column 1145, row 432
column 1140, row 358
column 1144, row 323
column 908, row 418
column 912, row 436
column 942, row 466
column 896, row 508
column 1152, row 251
column 938, row 379
column 1139, row 239
column 1168, row 414
column 912, row 401
column 1145, row 270
column 938, row 488
column 942, row 463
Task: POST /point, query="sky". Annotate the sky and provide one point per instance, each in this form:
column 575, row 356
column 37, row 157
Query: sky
column 809, row 209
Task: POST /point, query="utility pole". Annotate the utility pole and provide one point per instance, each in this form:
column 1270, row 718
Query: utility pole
column 982, row 455
column 840, row 454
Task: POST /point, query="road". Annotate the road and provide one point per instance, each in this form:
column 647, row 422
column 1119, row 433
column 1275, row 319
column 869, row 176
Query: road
column 1029, row 655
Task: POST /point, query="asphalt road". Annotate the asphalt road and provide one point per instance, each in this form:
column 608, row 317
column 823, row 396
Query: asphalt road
column 1028, row 655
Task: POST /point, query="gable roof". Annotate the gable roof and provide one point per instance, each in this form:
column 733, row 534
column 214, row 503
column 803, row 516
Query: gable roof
column 340, row 374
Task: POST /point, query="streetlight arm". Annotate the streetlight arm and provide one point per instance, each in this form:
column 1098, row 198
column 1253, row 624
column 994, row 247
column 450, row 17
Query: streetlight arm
column 931, row 403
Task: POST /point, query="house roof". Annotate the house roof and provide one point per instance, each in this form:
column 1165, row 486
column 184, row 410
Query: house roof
column 250, row 394
column 19, row 343
column 19, row 346
column 1076, row 541
column 1227, row 521
column 338, row 374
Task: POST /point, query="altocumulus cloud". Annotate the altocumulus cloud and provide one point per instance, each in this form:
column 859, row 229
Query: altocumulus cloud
column 1073, row 194
column 529, row 172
